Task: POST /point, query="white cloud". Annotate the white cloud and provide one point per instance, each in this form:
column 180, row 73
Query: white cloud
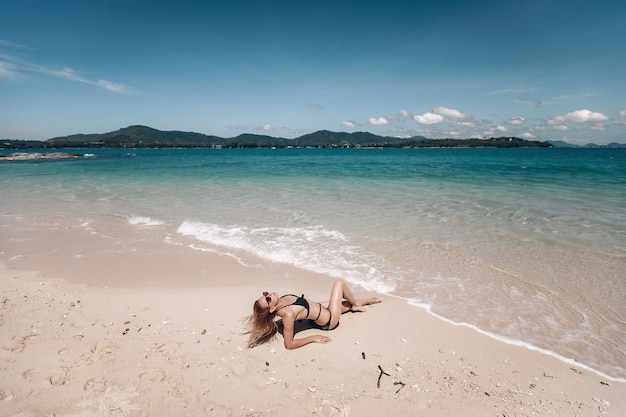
column 599, row 127
column 515, row 90
column 381, row 121
column 111, row 86
column 570, row 97
column 468, row 124
column 348, row 123
column 70, row 74
column 267, row 127
column 12, row 66
column 495, row 130
column 453, row 113
column 408, row 115
column 582, row 116
column 516, row 121
column 7, row 70
column 622, row 113
column 428, row 119
column 438, row 116
column 12, row 45
column 527, row 135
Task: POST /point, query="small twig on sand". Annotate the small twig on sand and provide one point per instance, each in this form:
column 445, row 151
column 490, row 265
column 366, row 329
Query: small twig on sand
column 381, row 375
column 399, row 383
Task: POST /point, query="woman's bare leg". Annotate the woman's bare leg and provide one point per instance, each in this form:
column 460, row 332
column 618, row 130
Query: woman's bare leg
column 337, row 306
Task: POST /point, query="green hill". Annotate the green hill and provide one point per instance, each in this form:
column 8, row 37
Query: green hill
column 147, row 137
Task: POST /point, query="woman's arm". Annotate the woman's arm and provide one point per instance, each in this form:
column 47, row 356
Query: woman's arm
column 288, row 334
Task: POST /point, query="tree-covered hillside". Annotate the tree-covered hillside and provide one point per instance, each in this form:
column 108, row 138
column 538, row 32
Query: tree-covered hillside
column 146, row 137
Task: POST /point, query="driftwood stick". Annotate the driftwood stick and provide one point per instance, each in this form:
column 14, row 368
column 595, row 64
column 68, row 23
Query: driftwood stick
column 399, row 383
column 381, row 375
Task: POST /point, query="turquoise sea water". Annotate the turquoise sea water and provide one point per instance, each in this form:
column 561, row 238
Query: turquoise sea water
column 528, row 245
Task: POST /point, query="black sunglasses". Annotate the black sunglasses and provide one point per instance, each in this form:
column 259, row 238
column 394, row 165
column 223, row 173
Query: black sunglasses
column 267, row 297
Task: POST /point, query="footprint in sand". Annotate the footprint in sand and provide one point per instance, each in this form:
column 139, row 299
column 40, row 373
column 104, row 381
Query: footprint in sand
column 100, row 352
column 56, row 378
column 29, row 373
column 242, row 366
column 102, row 348
column 61, row 378
column 20, row 343
column 96, row 385
column 5, row 395
column 156, row 375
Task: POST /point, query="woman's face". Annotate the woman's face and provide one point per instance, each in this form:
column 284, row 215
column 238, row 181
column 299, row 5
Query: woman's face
column 268, row 299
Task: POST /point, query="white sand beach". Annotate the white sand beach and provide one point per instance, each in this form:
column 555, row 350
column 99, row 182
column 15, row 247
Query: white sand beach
column 158, row 331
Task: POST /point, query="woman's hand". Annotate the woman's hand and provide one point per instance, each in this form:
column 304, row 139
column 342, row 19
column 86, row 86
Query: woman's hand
column 321, row 339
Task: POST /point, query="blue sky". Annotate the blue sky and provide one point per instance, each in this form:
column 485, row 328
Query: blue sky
column 537, row 69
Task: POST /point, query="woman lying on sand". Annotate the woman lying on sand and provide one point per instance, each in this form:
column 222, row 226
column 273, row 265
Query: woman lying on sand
column 290, row 308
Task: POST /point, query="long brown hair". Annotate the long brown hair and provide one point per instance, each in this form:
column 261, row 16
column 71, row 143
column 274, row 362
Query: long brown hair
column 263, row 326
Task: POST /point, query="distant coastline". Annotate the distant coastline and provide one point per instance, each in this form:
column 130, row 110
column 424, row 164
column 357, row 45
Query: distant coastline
column 146, row 137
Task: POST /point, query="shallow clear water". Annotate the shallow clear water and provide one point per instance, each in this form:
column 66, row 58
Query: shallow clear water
column 422, row 224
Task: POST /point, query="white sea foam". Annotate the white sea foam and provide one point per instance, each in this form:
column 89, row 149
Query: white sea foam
column 312, row 248
column 229, row 254
column 144, row 221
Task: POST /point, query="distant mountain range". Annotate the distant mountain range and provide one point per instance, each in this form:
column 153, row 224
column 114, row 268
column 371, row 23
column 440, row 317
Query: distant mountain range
column 146, row 137
column 561, row 144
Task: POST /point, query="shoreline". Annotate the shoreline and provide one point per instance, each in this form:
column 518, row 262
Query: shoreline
column 525, row 345
column 138, row 327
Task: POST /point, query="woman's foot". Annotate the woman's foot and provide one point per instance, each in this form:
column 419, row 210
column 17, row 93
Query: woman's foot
column 365, row 302
column 373, row 300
